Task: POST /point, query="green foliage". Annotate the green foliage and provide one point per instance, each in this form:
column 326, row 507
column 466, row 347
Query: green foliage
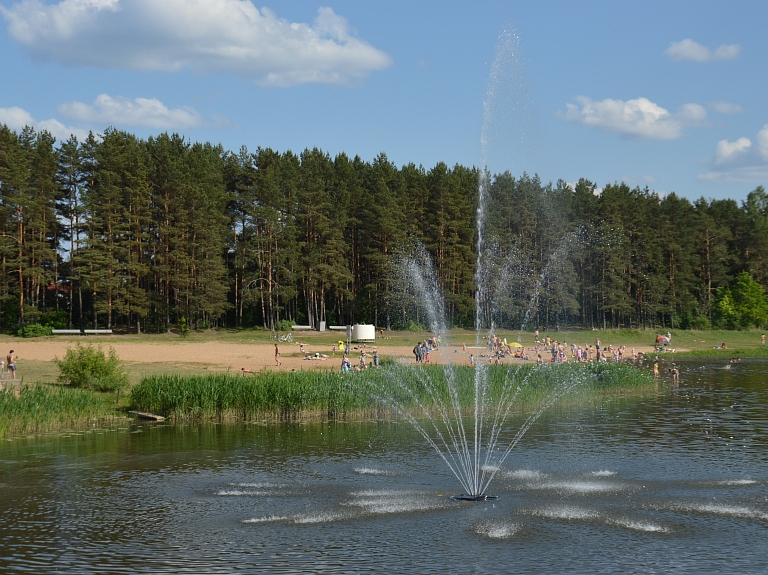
column 284, row 325
column 34, row 330
column 55, row 319
column 412, row 325
column 184, row 328
column 741, row 306
column 88, row 367
column 283, row 394
column 154, row 229
column 700, row 322
column 42, row 408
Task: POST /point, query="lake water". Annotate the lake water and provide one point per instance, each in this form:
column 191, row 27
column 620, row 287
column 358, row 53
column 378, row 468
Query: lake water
column 675, row 481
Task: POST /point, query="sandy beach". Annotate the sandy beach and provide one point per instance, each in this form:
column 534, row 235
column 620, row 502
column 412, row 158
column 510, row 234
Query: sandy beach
column 212, row 355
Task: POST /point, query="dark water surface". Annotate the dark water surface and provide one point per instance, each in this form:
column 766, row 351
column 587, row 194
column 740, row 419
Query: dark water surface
column 675, row 481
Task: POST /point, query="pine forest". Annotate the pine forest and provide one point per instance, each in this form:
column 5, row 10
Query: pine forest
column 139, row 235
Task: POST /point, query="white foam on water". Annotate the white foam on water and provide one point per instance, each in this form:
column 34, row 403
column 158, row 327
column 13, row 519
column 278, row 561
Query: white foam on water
column 385, row 501
column 500, row 530
column 734, row 482
column 490, row 468
column 581, row 486
column 569, row 512
column 373, row 471
column 326, row 517
column 724, row 509
column 382, row 507
column 270, row 519
column 385, row 493
column 602, row 473
column 638, row 525
column 260, row 485
column 526, row 474
column 241, row 493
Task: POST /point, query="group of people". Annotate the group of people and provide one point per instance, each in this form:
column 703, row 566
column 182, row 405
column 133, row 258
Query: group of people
column 561, row 352
column 422, row 349
column 346, row 363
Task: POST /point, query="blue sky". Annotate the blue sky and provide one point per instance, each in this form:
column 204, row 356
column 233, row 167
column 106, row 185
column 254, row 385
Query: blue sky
column 669, row 95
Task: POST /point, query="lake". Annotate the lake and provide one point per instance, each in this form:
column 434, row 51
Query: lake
column 675, row 480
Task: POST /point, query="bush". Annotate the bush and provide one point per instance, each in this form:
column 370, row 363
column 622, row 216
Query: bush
column 284, row 325
column 88, row 367
column 184, row 329
column 414, row 326
column 700, row 322
column 34, row 330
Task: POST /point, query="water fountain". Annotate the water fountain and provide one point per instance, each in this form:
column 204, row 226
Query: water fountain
column 470, row 444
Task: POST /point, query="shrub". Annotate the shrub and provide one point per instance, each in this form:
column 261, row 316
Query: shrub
column 34, row 330
column 284, row 325
column 414, row 326
column 700, row 322
column 88, row 367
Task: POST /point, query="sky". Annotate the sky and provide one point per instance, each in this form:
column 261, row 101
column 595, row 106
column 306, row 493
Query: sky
column 671, row 96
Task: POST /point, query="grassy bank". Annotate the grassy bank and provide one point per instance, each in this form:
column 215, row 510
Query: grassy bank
column 725, row 354
column 329, row 394
column 40, row 408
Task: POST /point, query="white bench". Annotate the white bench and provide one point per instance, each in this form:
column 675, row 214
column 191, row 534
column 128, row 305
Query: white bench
column 84, row 332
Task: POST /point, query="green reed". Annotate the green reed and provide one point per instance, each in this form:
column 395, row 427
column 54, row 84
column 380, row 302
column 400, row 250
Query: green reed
column 333, row 394
column 44, row 408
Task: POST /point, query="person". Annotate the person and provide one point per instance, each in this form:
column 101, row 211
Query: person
column 11, row 362
column 277, row 356
column 539, row 361
column 375, row 358
column 762, row 338
column 345, row 364
column 244, row 370
column 536, row 335
column 464, row 348
column 656, row 368
column 723, row 346
column 471, row 360
column 675, row 375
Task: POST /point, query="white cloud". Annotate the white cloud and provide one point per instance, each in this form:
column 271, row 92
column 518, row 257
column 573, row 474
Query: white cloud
column 142, row 112
column 18, row 118
column 726, row 151
column 639, row 118
column 740, row 175
column 762, row 142
column 740, row 161
column 726, row 107
column 689, row 50
column 206, row 36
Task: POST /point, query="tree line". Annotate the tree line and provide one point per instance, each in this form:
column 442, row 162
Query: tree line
column 121, row 232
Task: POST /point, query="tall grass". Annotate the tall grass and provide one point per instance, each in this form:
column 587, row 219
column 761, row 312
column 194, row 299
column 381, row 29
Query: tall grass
column 332, row 394
column 44, row 408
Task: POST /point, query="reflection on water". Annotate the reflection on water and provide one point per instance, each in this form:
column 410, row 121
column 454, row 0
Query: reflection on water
column 675, row 481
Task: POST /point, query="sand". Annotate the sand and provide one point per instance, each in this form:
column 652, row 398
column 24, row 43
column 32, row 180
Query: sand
column 215, row 355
